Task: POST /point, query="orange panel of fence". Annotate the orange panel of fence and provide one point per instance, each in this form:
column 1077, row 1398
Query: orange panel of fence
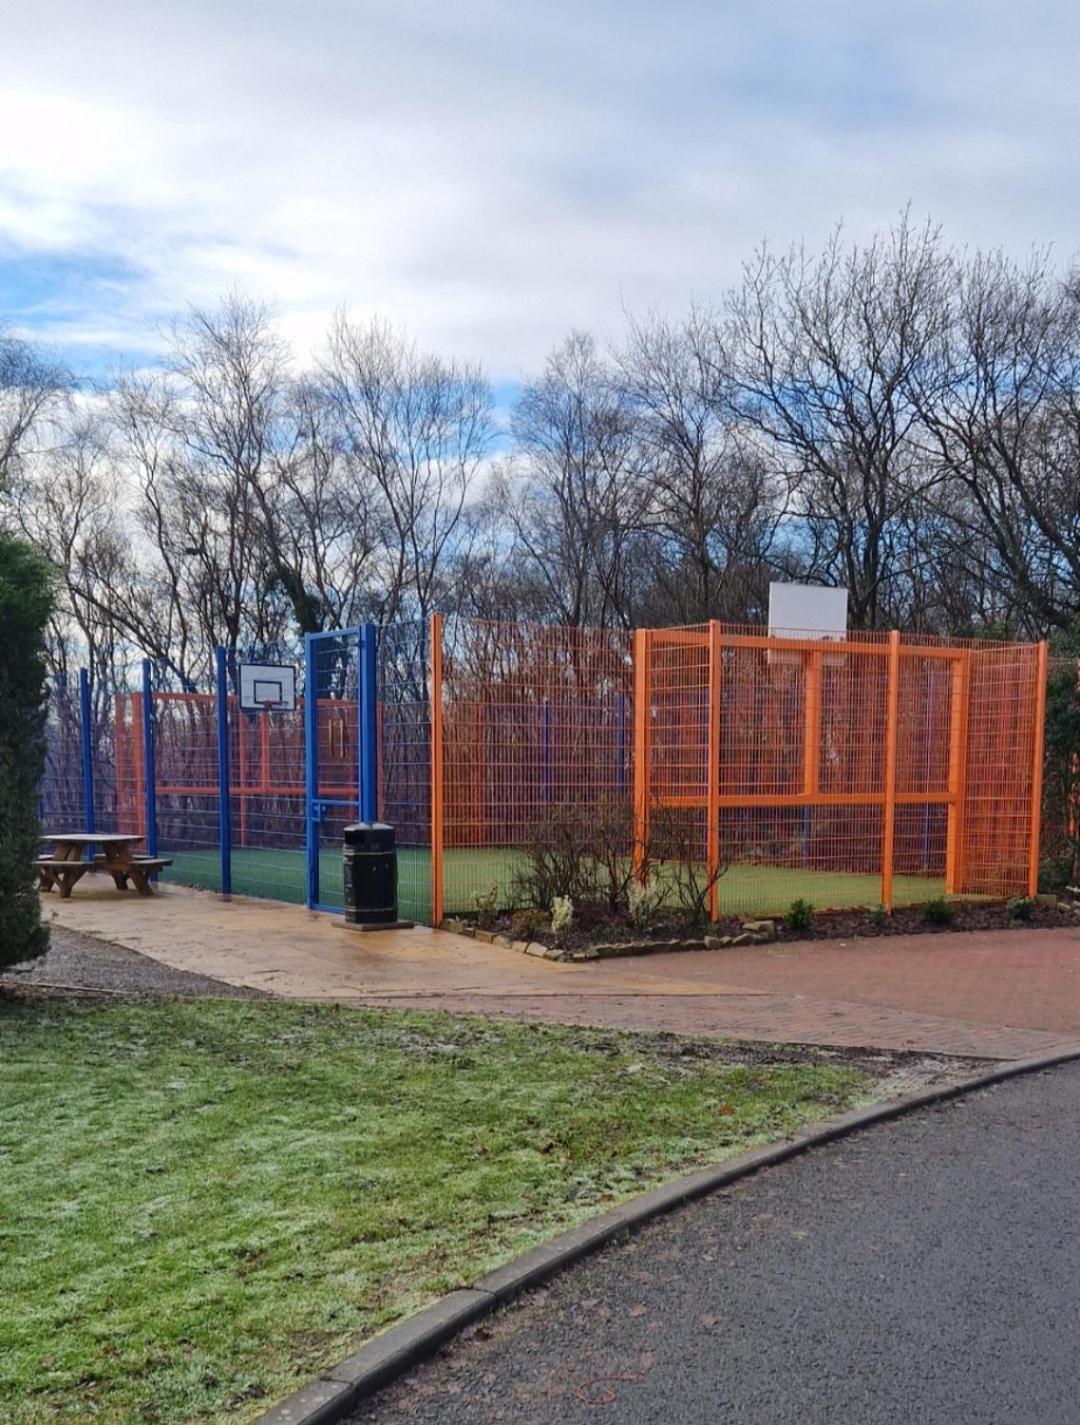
column 527, row 721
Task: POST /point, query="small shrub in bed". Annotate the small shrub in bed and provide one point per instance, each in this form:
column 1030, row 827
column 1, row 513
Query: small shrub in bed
column 562, row 918
column 1021, row 910
column 800, row 916
column 528, row 924
column 643, row 901
column 675, row 854
column 938, row 912
column 486, row 905
column 580, row 853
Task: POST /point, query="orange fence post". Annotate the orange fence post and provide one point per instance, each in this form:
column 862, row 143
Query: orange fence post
column 712, row 765
column 642, row 749
column 892, row 719
column 1038, row 756
column 958, row 759
column 436, row 632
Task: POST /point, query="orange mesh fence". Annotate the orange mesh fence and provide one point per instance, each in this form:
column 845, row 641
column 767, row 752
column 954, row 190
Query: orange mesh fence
column 530, row 719
column 874, row 769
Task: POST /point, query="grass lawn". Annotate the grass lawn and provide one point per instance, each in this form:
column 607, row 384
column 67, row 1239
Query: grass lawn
column 744, row 889
column 202, row 1203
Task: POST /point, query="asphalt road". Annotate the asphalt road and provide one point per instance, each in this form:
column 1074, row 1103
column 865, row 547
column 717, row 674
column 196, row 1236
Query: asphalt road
column 924, row 1271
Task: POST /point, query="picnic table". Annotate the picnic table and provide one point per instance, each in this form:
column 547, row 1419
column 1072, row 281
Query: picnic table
column 68, row 862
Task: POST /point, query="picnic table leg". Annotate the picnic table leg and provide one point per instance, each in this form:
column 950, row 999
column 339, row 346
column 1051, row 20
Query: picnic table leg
column 142, row 881
column 120, row 879
column 46, row 879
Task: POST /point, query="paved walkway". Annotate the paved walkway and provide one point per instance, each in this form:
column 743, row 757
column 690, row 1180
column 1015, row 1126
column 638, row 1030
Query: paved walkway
column 996, row 995
column 922, row 1271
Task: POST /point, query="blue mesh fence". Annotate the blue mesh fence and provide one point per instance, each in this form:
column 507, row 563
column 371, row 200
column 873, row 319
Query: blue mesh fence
column 63, row 805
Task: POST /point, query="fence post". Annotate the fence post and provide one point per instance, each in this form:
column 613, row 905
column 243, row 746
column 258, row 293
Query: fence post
column 712, row 765
column 221, row 669
column 892, row 718
column 642, row 750
column 437, row 826
column 149, row 778
column 311, row 770
column 1038, row 757
column 86, row 742
column 368, row 726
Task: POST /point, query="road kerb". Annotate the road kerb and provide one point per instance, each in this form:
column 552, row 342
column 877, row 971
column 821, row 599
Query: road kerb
column 336, row 1391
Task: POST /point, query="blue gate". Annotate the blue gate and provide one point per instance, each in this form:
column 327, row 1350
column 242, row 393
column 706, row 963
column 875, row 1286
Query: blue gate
column 341, row 756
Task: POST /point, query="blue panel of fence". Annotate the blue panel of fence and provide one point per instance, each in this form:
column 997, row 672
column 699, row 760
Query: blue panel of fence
column 337, row 715
column 67, row 760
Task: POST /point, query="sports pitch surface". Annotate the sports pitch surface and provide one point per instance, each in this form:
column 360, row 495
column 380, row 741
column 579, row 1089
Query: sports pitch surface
column 744, row 889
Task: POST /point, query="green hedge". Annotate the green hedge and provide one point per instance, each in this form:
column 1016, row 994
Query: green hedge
column 25, row 604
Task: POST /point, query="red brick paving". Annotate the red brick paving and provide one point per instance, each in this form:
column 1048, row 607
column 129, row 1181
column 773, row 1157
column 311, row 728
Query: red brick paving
column 992, row 994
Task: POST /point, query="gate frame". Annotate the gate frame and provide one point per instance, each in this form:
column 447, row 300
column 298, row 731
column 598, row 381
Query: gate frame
column 366, row 637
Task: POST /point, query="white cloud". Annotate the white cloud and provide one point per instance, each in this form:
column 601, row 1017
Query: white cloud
column 490, row 174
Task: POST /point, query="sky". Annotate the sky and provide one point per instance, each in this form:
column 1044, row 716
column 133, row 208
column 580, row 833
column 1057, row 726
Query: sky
column 488, row 175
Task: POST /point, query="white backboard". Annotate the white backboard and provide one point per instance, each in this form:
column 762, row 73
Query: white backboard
column 807, row 611
column 267, row 687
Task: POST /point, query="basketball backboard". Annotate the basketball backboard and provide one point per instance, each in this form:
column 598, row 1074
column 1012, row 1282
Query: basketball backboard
column 267, row 687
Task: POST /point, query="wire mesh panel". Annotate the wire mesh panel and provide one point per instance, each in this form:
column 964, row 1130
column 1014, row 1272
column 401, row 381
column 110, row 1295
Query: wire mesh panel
column 186, row 777
column 1000, row 806
column 404, row 758
column 62, row 805
column 843, row 772
column 534, row 721
column 336, row 658
column 120, row 769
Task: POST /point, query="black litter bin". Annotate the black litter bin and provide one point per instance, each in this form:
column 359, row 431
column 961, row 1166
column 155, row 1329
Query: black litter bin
column 370, row 868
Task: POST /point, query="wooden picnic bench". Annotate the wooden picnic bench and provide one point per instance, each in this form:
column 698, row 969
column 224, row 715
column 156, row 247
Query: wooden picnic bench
column 68, row 862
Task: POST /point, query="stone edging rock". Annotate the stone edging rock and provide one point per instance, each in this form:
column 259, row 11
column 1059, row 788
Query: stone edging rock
column 753, row 932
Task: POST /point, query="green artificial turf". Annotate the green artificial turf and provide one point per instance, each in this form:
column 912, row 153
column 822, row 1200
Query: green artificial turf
column 203, row 1203
column 744, row 889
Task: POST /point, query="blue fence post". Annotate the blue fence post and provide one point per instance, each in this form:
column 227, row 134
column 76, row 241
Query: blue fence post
column 368, row 729
column 87, row 742
column 148, row 758
column 311, row 768
column 221, row 671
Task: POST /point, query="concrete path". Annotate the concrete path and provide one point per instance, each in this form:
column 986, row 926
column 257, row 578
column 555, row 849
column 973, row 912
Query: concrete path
column 923, row 1271
column 995, row 995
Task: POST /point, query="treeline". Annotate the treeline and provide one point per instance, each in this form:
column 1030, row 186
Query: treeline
column 902, row 418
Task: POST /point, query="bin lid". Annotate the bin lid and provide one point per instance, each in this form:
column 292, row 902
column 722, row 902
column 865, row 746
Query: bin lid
column 369, row 833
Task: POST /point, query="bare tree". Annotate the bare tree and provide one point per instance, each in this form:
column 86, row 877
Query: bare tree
column 709, row 501
column 817, row 356
column 30, row 387
column 415, row 431
column 570, row 492
column 1000, row 397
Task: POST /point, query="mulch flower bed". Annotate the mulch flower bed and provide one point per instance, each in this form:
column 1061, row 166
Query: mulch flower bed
column 598, row 936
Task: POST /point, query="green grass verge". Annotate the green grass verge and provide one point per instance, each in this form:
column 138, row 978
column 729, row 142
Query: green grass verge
column 203, row 1203
column 744, row 889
